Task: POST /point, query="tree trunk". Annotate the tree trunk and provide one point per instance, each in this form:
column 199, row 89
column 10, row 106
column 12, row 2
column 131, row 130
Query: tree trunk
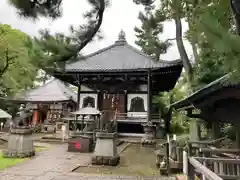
column 181, row 48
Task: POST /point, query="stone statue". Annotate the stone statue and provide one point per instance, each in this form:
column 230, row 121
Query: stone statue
column 20, row 143
column 24, row 114
column 105, row 122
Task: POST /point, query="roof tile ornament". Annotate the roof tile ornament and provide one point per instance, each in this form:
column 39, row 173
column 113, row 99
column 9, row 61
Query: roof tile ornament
column 121, row 38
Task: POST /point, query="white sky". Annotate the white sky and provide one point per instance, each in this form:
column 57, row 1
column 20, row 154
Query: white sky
column 121, row 15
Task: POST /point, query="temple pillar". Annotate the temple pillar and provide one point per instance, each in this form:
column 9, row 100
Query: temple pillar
column 149, row 128
column 78, row 104
column 78, row 96
column 99, row 100
column 125, row 102
column 149, row 97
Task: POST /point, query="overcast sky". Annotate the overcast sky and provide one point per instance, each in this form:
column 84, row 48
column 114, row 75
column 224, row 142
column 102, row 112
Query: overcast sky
column 121, row 15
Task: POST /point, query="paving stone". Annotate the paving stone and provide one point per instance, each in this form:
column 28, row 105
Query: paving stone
column 56, row 164
column 17, row 177
column 48, row 176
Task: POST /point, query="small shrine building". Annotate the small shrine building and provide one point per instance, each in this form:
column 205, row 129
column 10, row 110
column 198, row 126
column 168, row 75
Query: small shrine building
column 49, row 102
column 123, row 80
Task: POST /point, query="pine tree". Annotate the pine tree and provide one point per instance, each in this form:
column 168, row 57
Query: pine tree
column 53, row 9
column 149, row 31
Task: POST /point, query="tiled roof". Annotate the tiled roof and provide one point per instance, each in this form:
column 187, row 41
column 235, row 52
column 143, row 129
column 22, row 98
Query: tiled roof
column 203, row 92
column 53, row 91
column 119, row 56
column 4, row 114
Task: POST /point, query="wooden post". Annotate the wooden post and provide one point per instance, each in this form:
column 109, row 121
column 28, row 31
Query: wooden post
column 238, row 136
column 167, row 160
column 190, row 171
column 78, row 96
column 78, row 103
column 215, row 131
column 99, row 100
column 149, row 97
column 125, row 103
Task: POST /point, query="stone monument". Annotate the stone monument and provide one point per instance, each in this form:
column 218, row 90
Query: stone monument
column 20, row 143
column 105, row 152
column 148, row 137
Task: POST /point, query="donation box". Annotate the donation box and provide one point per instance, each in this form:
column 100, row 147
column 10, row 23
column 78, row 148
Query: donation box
column 80, row 144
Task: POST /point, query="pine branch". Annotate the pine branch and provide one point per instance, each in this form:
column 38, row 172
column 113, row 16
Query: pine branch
column 90, row 33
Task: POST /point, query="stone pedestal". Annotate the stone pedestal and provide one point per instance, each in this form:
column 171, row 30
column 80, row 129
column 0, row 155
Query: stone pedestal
column 20, row 143
column 105, row 152
column 148, row 137
column 160, row 131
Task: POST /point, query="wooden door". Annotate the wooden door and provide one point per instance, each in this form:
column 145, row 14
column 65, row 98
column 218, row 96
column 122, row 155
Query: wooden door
column 114, row 102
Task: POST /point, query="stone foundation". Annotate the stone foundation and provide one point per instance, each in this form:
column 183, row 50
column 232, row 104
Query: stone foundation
column 18, row 154
column 105, row 160
column 105, row 152
column 20, row 143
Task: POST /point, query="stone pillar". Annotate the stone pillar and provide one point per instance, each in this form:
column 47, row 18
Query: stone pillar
column 148, row 137
column 195, row 133
column 105, row 152
column 20, row 143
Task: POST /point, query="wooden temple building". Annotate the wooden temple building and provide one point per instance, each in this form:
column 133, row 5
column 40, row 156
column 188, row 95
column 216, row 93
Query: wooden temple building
column 217, row 103
column 49, row 102
column 122, row 80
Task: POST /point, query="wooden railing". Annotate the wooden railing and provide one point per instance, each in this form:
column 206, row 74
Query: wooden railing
column 139, row 116
column 212, row 163
column 195, row 166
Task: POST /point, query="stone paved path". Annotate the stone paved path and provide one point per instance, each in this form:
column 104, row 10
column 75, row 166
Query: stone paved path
column 56, row 164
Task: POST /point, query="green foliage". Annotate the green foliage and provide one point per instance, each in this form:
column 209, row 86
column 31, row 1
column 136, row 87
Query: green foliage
column 210, row 28
column 17, row 69
column 81, row 35
column 149, row 32
column 179, row 122
column 16, row 53
column 34, row 8
column 53, row 48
